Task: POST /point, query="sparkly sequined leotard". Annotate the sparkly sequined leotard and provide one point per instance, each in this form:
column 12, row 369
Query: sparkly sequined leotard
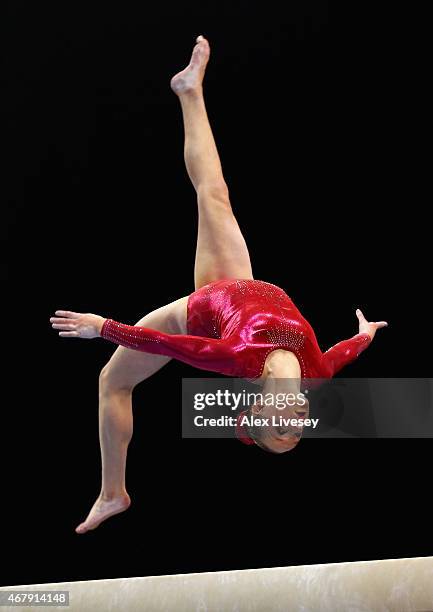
column 233, row 325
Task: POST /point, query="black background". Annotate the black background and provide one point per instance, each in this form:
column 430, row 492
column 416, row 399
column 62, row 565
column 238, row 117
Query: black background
column 308, row 107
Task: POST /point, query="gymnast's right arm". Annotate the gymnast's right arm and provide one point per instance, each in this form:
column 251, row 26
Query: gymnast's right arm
column 218, row 355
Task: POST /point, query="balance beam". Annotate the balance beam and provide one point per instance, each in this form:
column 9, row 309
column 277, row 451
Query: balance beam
column 391, row 585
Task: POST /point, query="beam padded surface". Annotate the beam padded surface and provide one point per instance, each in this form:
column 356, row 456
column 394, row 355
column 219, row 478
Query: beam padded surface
column 394, row 585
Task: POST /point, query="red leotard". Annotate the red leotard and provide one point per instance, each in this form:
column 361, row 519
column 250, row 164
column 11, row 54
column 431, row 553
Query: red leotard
column 232, row 327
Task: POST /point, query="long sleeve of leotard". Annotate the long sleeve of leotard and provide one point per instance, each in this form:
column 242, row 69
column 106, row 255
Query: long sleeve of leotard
column 218, row 355
column 344, row 352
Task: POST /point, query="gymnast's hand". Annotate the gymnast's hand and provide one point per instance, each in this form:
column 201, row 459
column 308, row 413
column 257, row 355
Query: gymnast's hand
column 368, row 328
column 77, row 325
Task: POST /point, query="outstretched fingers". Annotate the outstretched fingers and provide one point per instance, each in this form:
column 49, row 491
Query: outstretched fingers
column 68, row 314
column 62, row 321
column 68, row 329
column 59, row 324
column 377, row 324
column 66, row 321
column 380, row 324
column 76, row 324
column 360, row 314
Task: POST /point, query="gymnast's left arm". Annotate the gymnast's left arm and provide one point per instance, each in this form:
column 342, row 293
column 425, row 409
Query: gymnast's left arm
column 220, row 355
column 347, row 351
column 77, row 324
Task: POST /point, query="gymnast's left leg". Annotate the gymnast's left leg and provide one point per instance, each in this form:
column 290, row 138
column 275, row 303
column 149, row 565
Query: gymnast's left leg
column 124, row 371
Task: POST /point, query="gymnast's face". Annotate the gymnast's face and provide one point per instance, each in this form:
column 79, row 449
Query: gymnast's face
column 280, row 434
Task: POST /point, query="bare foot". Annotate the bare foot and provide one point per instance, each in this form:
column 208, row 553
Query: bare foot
column 102, row 510
column 190, row 79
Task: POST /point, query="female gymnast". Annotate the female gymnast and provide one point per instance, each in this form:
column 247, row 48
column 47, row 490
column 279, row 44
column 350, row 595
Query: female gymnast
column 231, row 323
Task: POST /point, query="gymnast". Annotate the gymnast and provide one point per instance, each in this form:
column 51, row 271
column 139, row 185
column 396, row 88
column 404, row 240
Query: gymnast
column 231, row 323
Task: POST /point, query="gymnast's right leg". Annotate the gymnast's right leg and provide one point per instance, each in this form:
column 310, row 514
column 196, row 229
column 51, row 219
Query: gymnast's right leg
column 221, row 249
column 126, row 369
